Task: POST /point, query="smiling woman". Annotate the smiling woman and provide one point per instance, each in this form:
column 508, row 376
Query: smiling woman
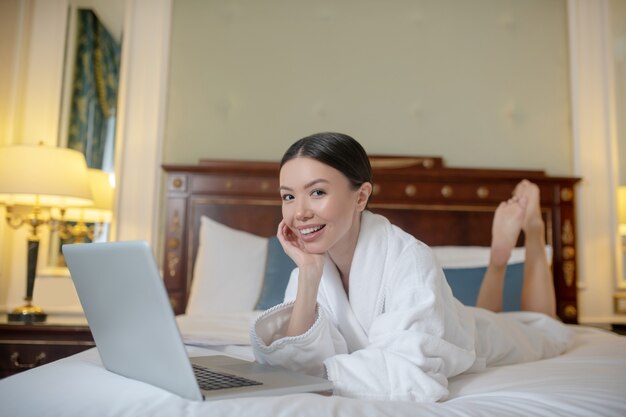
column 368, row 305
column 322, row 209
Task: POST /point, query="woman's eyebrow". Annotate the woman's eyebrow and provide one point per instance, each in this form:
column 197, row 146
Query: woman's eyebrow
column 307, row 185
column 315, row 182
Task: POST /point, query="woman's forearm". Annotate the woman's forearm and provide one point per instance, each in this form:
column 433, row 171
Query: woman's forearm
column 304, row 311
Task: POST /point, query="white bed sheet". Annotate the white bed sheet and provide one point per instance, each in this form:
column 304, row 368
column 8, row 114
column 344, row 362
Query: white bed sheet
column 588, row 380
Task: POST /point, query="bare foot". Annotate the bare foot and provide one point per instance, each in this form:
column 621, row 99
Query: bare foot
column 506, row 227
column 533, row 221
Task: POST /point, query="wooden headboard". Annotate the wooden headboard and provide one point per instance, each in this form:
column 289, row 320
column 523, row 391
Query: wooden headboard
column 437, row 204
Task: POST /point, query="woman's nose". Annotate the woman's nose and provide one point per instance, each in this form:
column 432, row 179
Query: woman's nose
column 303, row 212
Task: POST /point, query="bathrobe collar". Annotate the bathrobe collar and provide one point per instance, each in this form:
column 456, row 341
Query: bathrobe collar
column 356, row 313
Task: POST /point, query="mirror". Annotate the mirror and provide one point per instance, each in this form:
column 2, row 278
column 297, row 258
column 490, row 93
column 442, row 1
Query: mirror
column 88, row 115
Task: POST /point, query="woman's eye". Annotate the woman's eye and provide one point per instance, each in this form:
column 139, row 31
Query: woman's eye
column 287, row 197
column 317, row 193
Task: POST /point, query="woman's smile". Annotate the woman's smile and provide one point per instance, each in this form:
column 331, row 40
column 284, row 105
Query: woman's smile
column 310, row 233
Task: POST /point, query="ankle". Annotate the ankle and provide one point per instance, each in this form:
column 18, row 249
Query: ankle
column 499, row 257
column 535, row 227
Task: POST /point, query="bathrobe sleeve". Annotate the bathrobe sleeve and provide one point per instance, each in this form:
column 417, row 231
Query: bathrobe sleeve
column 423, row 336
column 304, row 353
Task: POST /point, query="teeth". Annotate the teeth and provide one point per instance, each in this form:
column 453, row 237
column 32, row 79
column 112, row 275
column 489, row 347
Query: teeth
column 310, row 230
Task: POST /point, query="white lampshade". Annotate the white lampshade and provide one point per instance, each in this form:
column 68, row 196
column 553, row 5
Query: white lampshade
column 42, row 175
column 101, row 185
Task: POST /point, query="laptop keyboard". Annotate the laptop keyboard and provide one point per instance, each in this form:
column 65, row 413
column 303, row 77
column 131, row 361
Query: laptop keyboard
column 211, row 380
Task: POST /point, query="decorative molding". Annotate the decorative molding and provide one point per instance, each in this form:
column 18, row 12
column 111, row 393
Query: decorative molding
column 569, row 269
column 397, row 163
column 568, row 252
column 173, row 260
column 594, row 154
column 482, row 192
column 567, row 194
column 142, row 99
column 570, row 310
column 447, row 191
column 567, row 236
column 178, row 183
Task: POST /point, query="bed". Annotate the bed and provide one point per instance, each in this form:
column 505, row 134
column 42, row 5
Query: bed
column 216, row 204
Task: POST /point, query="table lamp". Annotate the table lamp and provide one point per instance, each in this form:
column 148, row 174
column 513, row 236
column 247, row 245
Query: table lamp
column 34, row 178
column 88, row 221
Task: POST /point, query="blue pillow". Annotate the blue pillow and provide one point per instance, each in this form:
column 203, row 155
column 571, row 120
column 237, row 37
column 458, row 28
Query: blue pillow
column 278, row 268
column 465, row 284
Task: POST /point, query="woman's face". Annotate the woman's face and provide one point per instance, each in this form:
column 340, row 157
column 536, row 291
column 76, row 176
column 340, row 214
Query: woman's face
column 319, row 204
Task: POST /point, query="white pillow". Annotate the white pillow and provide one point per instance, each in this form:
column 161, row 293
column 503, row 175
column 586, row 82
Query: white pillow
column 228, row 272
column 476, row 256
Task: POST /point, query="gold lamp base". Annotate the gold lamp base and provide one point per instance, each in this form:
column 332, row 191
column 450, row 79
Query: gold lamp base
column 27, row 314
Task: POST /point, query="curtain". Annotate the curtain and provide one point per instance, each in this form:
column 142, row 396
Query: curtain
column 94, row 90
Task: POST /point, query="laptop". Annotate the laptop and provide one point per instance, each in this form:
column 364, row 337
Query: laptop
column 133, row 325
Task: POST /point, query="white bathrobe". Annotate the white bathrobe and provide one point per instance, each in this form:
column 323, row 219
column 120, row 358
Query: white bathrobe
column 401, row 333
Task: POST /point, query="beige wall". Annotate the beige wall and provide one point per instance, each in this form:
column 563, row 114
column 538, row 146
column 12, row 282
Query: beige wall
column 481, row 83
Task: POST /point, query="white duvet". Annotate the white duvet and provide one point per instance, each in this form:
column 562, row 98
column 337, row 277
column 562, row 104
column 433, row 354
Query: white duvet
column 587, row 380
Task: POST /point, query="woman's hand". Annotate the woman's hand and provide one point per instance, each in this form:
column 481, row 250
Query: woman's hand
column 310, row 267
column 295, row 249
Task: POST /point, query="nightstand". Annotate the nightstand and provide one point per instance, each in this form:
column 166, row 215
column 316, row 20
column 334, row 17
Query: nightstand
column 27, row 345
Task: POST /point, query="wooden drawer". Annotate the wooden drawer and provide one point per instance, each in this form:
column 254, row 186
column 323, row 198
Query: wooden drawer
column 25, row 346
column 21, row 356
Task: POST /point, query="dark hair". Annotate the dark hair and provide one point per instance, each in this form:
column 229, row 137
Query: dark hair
column 336, row 150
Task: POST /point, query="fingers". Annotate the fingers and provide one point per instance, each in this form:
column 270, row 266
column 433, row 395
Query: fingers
column 286, row 236
column 294, row 248
column 284, row 233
